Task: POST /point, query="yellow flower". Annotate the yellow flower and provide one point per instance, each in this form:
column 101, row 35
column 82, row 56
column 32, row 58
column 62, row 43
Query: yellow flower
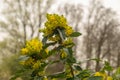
column 22, row 62
column 63, row 54
column 24, row 51
column 85, row 79
column 109, row 78
column 36, row 65
column 34, row 46
column 51, row 17
column 41, row 73
column 46, row 50
column 68, row 30
column 54, row 79
column 45, row 78
column 54, row 22
column 68, row 42
column 29, row 62
column 102, row 74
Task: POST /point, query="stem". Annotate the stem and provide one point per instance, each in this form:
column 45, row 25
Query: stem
column 71, row 70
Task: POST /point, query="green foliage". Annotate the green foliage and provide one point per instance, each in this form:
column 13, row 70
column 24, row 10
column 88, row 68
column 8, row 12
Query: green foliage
column 95, row 78
column 75, row 34
column 116, row 76
column 107, row 66
column 57, row 40
column 10, row 65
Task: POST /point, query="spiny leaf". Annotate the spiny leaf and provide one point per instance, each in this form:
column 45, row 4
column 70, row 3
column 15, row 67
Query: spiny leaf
column 75, row 34
column 95, row 78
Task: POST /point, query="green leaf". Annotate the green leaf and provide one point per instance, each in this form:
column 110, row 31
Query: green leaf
column 70, row 51
column 14, row 77
column 73, row 78
column 75, row 34
column 17, row 74
column 77, row 67
column 107, row 66
column 49, row 44
column 66, row 50
column 38, row 78
column 34, row 73
column 95, row 78
column 55, row 50
column 95, row 59
column 118, row 70
column 61, row 34
column 84, row 74
column 71, row 59
column 58, row 48
column 70, row 79
column 44, row 40
column 24, row 57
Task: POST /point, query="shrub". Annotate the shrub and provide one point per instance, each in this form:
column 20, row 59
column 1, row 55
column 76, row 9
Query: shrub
column 57, row 39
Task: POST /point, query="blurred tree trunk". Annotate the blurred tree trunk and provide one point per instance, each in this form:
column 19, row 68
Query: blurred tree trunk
column 100, row 32
column 24, row 18
column 118, row 59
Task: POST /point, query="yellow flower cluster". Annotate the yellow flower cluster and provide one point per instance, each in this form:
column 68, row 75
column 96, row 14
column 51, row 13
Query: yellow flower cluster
column 32, row 46
column 45, row 78
column 28, row 62
column 68, row 42
column 36, row 65
column 24, row 51
column 103, row 75
column 63, row 54
column 68, row 31
column 55, row 22
column 33, row 50
column 54, row 38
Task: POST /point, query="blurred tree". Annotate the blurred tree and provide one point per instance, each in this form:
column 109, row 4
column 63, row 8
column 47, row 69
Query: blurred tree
column 116, row 54
column 100, row 27
column 22, row 20
column 22, row 17
column 8, row 67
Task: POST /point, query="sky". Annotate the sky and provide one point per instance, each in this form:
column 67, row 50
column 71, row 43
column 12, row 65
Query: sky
column 114, row 4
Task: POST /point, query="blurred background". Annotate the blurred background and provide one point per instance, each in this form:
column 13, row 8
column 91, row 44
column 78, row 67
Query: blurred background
column 97, row 20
